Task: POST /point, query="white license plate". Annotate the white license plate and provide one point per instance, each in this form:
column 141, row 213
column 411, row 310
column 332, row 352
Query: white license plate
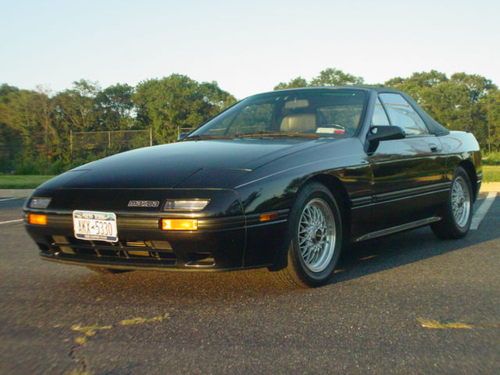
column 93, row 225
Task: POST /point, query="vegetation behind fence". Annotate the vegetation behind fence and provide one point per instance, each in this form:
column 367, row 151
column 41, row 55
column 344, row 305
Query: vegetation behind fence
column 46, row 133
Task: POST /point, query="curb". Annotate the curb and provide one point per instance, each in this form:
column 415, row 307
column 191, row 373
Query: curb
column 488, row 187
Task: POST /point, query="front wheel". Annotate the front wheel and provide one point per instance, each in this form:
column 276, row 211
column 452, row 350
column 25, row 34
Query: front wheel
column 315, row 238
column 457, row 211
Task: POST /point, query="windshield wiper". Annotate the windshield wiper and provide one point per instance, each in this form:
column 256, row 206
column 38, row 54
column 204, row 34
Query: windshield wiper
column 262, row 134
column 206, row 136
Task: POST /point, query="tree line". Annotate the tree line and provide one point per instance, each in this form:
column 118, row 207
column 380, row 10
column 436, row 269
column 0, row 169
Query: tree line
column 35, row 125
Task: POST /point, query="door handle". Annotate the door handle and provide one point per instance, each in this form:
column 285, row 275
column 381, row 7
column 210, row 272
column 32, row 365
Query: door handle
column 434, row 147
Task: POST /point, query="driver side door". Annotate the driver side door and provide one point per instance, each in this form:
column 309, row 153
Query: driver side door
column 408, row 174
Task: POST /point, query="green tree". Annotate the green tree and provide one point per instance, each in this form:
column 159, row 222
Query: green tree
column 10, row 139
column 35, row 125
column 76, row 107
column 327, row 77
column 491, row 105
column 294, row 83
column 457, row 102
column 477, row 86
column 28, row 116
column 177, row 102
column 335, row 77
column 115, row 108
column 418, row 84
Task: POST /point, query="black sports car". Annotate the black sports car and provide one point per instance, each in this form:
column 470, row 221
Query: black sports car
column 283, row 180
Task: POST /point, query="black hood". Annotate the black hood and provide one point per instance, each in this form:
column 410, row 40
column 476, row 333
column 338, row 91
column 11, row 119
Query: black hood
column 168, row 166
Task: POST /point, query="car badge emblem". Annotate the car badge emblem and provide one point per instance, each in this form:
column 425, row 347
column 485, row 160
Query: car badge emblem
column 148, row 204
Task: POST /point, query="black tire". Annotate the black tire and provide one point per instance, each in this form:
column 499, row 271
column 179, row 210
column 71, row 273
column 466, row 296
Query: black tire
column 448, row 227
column 107, row 271
column 296, row 272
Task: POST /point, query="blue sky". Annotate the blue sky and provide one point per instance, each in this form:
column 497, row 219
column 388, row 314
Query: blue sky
column 246, row 46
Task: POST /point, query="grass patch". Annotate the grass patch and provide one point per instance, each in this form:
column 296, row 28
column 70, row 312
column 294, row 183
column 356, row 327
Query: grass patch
column 491, row 173
column 21, row 182
column 493, row 158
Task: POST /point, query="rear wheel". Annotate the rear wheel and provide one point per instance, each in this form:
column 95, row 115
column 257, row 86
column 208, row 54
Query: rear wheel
column 103, row 270
column 315, row 238
column 457, row 212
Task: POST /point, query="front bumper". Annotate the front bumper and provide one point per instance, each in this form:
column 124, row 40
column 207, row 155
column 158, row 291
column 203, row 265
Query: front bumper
column 218, row 244
column 226, row 238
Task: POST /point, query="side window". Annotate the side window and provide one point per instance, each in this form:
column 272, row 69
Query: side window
column 379, row 116
column 402, row 114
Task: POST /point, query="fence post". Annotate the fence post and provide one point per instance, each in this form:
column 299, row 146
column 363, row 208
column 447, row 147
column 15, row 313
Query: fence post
column 71, row 144
column 105, row 141
column 489, row 137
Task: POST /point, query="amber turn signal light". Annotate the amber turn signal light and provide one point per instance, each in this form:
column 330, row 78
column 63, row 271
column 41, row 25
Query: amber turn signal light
column 179, row 224
column 268, row 216
column 37, row 219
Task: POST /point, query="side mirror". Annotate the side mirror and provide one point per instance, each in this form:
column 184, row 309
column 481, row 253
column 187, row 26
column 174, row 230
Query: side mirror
column 382, row 133
column 182, row 136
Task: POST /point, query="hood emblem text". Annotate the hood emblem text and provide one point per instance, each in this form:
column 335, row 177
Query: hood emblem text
column 149, row 204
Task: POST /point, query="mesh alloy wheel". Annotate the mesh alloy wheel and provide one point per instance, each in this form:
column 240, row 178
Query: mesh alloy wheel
column 316, row 233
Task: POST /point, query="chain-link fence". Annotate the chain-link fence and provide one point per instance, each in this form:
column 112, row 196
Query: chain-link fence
column 48, row 157
column 96, row 144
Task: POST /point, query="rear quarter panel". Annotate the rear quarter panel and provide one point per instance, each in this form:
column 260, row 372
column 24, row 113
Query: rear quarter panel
column 462, row 148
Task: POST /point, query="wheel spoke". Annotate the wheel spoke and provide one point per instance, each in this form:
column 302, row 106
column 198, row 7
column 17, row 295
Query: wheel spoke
column 460, row 201
column 316, row 235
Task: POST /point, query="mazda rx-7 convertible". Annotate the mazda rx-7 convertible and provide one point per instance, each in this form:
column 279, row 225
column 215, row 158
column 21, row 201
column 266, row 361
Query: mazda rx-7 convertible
column 284, row 180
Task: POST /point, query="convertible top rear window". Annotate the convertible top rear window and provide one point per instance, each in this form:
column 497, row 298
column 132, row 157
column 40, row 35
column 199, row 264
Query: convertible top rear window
column 307, row 113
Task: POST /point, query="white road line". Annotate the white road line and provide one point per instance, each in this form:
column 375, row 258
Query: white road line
column 482, row 210
column 7, row 199
column 11, row 221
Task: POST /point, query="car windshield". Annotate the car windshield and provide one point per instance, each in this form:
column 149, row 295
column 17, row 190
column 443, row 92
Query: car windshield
column 306, row 113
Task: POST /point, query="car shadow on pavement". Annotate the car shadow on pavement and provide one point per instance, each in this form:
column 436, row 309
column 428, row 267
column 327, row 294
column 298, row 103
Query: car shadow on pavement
column 363, row 259
column 401, row 249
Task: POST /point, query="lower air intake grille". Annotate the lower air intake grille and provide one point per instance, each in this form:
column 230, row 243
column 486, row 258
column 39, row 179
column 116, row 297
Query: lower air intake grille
column 123, row 252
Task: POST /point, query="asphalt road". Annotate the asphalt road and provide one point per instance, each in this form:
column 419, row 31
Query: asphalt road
column 407, row 304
